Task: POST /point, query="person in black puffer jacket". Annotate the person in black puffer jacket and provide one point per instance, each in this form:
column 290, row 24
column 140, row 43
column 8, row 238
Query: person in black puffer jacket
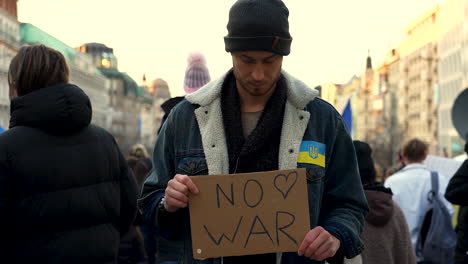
column 66, row 193
column 132, row 248
column 457, row 193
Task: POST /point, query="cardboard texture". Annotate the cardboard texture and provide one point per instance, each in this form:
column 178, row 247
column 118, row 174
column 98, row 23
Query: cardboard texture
column 247, row 214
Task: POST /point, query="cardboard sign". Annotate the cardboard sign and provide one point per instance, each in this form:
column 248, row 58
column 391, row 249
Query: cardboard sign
column 247, row 214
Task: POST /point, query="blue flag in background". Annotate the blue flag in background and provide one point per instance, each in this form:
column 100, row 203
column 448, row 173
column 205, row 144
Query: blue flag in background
column 348, row 117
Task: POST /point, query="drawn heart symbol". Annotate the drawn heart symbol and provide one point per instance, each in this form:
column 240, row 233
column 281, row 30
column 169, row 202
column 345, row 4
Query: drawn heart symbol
column 285, row 183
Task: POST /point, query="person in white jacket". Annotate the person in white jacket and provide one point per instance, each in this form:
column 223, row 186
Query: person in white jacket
column 412, row 184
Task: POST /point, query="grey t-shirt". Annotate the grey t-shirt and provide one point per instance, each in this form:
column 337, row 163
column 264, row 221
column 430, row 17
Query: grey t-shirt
column 249, row 121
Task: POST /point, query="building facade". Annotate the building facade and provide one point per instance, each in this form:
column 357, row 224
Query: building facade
column 130, row 121
column 453, row 70
column 417, row 108
column 365, row 108
column 82, row 71
column 328, row 92
column 11, row 6
column 389, row 133
column 148, row 118
column 9, row 45
column 160, row 93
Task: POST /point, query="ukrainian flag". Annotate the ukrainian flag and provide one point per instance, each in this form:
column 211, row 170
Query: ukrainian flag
column 312, row 152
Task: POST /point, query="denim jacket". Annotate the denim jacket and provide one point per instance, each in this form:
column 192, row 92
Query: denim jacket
column 192, row 142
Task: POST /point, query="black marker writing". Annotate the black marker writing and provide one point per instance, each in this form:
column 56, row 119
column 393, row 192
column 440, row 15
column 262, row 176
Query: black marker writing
column 281, row 229
column 218, row 241
column 219, row 189
column 257, row 233
column 253, row 205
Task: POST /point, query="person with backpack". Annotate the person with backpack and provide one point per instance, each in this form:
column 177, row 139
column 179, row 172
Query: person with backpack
column 412, row 189
column 457, row 193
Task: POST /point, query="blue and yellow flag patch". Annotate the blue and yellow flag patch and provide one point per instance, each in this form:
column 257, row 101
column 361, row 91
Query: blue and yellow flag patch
column 312, row 152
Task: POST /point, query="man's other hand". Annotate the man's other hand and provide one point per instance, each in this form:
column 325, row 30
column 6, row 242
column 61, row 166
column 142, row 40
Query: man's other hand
column 319, row 244
column 177, row 192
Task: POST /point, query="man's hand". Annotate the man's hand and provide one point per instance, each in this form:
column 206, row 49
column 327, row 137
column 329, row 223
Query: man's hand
column 177, row 192
column 318, row 244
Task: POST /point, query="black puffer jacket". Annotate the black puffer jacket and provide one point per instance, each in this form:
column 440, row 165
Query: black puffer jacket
column 457, row 193
column 66, row 192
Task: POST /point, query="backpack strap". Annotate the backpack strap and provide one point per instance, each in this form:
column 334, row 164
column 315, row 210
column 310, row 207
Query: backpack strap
column 434, row 186
column 435, row 181
column 428, row 215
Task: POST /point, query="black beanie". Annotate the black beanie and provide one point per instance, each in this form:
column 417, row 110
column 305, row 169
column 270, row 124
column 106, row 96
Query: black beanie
column 365, row 162
column 258, row 25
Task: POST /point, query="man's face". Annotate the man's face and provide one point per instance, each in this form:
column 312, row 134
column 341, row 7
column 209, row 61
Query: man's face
column 256, row 72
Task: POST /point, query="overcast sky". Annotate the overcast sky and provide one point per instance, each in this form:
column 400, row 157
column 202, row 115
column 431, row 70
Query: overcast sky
column 330, row 37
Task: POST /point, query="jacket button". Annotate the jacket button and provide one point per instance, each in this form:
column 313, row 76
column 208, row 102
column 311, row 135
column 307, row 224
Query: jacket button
column 301, row 117
column 206, row 112
column 291, row 151
column 213, row 146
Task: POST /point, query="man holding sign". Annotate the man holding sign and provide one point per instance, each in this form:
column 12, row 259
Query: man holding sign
column 257, row 118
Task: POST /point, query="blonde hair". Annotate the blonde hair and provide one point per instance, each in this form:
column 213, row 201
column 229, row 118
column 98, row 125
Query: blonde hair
column 139, row 151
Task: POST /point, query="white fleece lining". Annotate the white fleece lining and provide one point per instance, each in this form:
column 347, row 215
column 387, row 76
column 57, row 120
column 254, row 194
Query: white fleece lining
column 210, row 121
column 292, row 133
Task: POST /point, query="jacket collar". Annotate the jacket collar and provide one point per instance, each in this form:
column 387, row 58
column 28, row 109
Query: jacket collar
column 298, row 93
column 415, row 166
column 60, row 109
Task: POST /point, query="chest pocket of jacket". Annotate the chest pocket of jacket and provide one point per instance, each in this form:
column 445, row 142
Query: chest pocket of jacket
column 315, row 186
column 315, row 174
column 192, row 166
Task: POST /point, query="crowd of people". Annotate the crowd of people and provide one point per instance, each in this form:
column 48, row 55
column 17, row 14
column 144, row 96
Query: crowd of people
column 68, row 194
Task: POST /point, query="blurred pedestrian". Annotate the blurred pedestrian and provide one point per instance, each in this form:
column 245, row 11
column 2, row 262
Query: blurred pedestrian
column 390, row 172
column 399, row 166
column 132, row 249
column 141, row 170
column 411, row 187
column 385, row 236
column 66, row 192
column 196, row 75
column 139, row 151
column 131, row 162
column 457, row 193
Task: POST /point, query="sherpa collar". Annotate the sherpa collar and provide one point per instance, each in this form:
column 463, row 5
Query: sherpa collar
column 298, row 93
